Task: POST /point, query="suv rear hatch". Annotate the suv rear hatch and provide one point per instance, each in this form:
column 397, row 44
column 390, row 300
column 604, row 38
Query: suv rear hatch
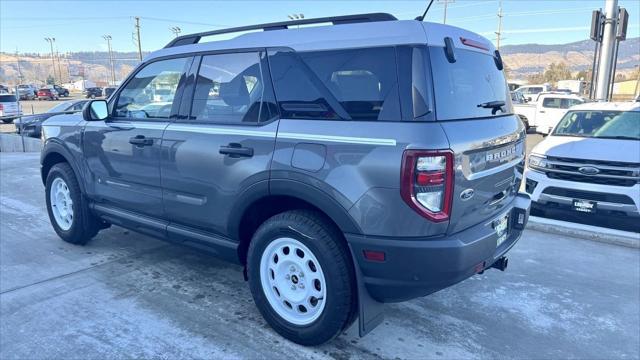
column 8, row 105
column 473, row 106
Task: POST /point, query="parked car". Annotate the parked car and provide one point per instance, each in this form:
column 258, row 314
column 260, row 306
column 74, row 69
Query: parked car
column 9, row 108
column 548, row 108
column 47, row 94
column 62, row 92
column 30, row 125
column 342, row 174
column 530, row 92
column 27, row 92
column 92, row 92
column 108, row 91
column 590, row 163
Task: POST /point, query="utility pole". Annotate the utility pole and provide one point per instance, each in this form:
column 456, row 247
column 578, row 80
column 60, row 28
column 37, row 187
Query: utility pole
column 138, row 38
column 18, row 62
column 499, row 32
column 59, row 68
column 175, row 30
column 607, row 50
column 446, row 3
column 53, row 60
column 111, row 60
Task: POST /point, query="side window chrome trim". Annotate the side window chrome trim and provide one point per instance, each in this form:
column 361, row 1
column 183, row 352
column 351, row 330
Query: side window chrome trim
column 219, row 130
column 339, row 139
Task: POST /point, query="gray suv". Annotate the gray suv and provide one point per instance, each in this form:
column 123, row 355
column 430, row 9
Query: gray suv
column 345, row 166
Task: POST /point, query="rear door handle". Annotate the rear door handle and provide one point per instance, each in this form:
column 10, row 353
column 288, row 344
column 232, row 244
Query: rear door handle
column 140, row 140
column 236, row 150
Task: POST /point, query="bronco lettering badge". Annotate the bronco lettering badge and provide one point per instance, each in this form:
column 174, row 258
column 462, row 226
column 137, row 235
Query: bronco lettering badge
column 501, row 155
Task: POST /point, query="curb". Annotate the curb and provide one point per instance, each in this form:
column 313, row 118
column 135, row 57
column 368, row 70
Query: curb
column 585, row 232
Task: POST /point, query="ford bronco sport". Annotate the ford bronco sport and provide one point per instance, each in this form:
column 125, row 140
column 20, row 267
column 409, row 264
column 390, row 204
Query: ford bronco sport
column 367, row 161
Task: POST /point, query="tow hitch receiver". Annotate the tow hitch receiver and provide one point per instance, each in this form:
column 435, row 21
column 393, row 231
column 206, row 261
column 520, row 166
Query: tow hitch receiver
column 501, row 263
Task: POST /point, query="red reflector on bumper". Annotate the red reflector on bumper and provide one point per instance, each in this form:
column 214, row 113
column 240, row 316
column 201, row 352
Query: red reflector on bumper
column 371, row 255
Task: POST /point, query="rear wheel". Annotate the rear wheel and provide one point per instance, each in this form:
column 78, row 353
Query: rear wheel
column 68, row 211
column 301, row 277
column 7, row 121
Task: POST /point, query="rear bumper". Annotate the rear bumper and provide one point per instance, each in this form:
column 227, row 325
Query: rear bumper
column 418, row 267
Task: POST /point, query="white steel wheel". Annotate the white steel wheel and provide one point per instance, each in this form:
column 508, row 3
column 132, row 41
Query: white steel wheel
column 292, row 281
column 61, row 203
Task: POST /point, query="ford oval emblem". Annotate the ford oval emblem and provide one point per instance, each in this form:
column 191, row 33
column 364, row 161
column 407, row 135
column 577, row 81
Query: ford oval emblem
column 589, row 170
column 467, row 194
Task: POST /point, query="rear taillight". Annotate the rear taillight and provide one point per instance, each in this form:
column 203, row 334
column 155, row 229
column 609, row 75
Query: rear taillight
column 1, row 107
column 427, row 182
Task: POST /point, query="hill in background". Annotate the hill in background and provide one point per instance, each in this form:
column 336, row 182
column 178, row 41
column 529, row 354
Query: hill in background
column 522, row 60
column 527, row 59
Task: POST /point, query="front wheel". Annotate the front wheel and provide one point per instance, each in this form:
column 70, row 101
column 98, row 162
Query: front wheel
column 302, row 278
column 68, row 212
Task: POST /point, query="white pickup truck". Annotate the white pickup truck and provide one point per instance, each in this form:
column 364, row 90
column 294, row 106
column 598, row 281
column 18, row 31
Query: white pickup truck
column 546, row 111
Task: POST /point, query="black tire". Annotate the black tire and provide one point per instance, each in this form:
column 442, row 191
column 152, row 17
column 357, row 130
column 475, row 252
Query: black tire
column 326, row 244
column 93, row 96
column 84, row 225
column 7, row 121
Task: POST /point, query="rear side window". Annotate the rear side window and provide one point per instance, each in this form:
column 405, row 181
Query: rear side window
column 232, row 88
column 460, row 87
column 551, row 103
column 7, row 98
column 353, row 84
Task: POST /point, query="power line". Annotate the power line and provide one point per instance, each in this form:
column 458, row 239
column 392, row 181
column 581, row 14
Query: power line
column 181, row 21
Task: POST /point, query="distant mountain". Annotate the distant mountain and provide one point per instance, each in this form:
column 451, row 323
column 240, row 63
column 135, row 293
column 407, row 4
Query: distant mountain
column 528, row 59
column 521, row 60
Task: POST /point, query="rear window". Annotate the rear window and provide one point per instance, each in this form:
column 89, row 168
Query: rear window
column 473, row 79
column 354, row 84
column 7, row 98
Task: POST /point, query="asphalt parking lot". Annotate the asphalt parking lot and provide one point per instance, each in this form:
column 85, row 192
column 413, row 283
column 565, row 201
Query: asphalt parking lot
column 127, row 295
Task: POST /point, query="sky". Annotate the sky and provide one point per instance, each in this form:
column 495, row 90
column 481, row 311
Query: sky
column 79, row 25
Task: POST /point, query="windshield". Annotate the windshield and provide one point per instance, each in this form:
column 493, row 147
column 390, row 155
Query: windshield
column 471, row 87
column 600, row 124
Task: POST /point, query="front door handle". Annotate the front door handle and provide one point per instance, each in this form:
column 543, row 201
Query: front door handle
column 140, row 140
column 236, row 150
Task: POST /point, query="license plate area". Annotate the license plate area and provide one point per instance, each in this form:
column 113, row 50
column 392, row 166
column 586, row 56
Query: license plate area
column 501, row 227
column 585, row 206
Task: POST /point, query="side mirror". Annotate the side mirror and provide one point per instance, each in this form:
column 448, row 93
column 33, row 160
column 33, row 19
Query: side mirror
column 95, row 110
column 528, row 98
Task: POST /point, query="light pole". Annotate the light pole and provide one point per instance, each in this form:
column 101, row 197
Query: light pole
column 113, row 70
column 175, row 30
column 53, row 59
column 296, row 17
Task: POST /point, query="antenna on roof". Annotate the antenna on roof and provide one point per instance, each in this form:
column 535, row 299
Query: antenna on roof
column 421, row 18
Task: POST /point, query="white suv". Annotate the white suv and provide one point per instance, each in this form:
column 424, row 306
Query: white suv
column 590, row 163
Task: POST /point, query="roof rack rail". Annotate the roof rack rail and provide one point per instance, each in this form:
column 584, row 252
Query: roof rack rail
column 335, row 20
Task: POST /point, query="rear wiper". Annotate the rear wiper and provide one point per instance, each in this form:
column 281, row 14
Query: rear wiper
column 495, row 105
